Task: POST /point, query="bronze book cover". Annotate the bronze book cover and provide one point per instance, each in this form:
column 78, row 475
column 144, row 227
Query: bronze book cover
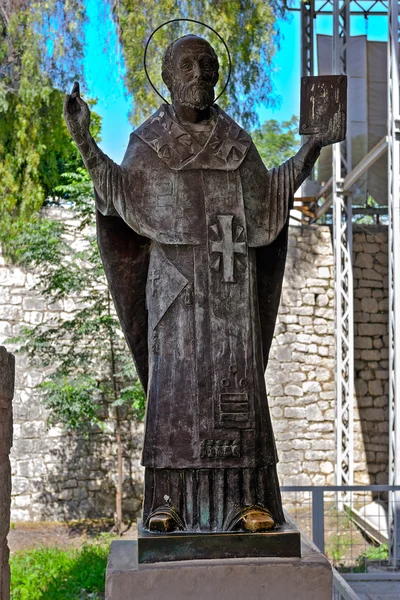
column 323, row 106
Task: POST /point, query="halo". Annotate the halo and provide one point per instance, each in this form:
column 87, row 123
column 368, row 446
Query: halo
column 191, row 21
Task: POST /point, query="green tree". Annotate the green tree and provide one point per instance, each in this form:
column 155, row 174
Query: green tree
column 92, row 375
column 248, row 26
column 276, row 142
column 40, row 51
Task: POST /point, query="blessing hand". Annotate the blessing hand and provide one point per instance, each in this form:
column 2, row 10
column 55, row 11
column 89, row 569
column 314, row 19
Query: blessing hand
column 77, row 115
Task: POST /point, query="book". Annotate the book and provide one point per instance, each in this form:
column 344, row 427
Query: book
column 323, row 107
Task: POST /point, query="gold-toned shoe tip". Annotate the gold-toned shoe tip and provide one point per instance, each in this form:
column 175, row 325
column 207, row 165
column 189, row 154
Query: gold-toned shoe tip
column 161, row 523
column 257, row 520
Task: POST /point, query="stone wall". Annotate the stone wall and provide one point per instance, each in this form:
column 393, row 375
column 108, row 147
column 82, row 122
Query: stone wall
column 371, row 353
column 57, row 475
column 300, row 374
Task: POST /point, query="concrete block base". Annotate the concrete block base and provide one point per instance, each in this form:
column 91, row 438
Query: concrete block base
column 305, row 578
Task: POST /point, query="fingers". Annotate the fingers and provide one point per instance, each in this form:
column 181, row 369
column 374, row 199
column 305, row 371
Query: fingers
column 76, row 92
column 71, row 105
column 73, row 102
column 79, row 101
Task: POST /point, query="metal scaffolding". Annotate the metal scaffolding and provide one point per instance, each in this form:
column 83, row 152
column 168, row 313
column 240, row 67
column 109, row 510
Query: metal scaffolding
column 343, row 177
column 307, row 38
column 343, row 236
column 394, row 274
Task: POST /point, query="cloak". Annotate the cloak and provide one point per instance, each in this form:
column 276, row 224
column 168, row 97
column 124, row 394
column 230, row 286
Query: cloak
column 193, row 239
column 125, row 248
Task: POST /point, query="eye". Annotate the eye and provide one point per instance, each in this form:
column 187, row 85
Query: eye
column 186, row 67
column 206, row 66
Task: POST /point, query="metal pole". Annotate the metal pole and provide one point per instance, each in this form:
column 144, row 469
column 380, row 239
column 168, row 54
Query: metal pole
column 394, row 276
column 318, row 527
column 307, row 38
column 343, row 237
column 307, row 69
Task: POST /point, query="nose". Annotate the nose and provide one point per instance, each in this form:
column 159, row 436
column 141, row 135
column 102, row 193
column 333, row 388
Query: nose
column 196, row 70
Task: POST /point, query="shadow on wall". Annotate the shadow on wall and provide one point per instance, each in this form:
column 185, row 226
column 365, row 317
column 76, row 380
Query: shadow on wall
column 371, row 353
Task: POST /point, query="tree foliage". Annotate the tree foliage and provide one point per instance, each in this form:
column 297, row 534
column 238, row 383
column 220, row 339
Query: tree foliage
column 40, row 51
column 248, row 27
column 90, row 365
column 90, row 374
column 276, row 142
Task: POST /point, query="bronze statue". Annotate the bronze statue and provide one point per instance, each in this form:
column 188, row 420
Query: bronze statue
column 192, row 230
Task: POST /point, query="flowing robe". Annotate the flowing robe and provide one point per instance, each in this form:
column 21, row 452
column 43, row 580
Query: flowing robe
column 208, row 211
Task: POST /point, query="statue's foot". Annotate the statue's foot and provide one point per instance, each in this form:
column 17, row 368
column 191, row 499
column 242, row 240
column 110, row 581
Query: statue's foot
column 254, row 518
column 164, row 520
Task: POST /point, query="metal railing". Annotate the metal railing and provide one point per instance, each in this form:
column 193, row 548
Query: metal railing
column 349, row 524
column 341, row 589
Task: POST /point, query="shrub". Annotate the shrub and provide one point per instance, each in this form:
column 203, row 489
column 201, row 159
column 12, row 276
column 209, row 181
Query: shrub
column 57, row 574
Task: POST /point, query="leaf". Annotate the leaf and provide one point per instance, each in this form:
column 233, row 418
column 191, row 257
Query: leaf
column 249, row 28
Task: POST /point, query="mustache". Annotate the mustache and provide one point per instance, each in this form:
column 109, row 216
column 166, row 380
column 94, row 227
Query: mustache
column 196, row 94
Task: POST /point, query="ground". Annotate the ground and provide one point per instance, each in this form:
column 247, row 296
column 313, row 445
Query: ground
column 72, row 534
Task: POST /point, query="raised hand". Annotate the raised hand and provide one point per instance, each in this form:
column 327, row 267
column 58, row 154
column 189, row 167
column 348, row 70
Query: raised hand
column 77, row 115
column 336, row 131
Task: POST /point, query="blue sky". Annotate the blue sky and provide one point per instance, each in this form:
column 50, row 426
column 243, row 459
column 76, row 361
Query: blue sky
column 104, row 71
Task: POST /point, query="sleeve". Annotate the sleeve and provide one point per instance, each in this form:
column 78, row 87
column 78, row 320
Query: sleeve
column 282, row 183
column 111, row 182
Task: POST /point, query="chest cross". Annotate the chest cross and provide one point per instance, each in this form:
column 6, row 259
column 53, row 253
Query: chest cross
column 171, row 136
column 232, row 147
column 154, row 277
column 228, row 246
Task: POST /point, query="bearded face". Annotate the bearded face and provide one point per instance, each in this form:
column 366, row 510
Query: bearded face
column 197, row 94
column 190, row 71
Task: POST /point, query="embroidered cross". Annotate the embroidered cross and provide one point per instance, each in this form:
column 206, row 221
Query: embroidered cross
column 228, row 246
column 154, row 277
column 168, row 135
column 231, row 146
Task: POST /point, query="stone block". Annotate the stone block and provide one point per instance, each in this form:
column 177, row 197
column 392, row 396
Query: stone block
column 362, row 292
column 372, row 274
column 370, row 355
column 372, row 329
column 311, row 386
column 314, row 413
column 324, row 272
column 372, row 248
column 364, row 261
column 382, row 258
column 293, row 390
column 309, row 299
column 227, row 579
column 375, row 387
column 327, row 467
column 369, row 305
column 361, row 387
column 368, row 283
column 33, row 303
column 283, row 353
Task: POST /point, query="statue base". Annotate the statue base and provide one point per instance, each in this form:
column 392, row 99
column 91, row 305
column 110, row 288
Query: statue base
column 226, row 579
column 185, row 545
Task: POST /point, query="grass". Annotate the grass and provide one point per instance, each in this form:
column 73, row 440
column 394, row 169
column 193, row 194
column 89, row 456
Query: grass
column 56, row 574
column 373, row 553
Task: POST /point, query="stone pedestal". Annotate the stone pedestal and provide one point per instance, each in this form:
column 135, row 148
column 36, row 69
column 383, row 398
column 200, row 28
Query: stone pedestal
column 7, row 370
column 305, row 578
column 185, row 545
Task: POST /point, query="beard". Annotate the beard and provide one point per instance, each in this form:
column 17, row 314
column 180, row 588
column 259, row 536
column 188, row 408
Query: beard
column 198, row 95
